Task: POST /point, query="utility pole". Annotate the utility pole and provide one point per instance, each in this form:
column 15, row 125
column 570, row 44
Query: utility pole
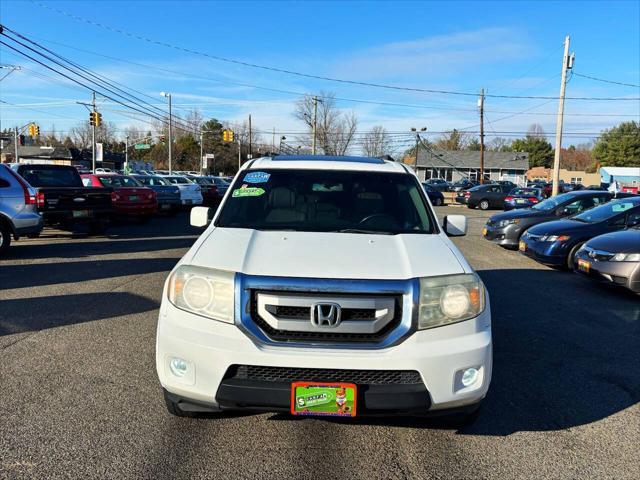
column 567, row 63
column 93, row 134
column 15, row 144
column 273, row 141
column 481, row 107
column 250, row 146
column 314, row 126
column 126, row 154
column 417, row 132
column 168, row 97
column 201, row 155
column 239, row 153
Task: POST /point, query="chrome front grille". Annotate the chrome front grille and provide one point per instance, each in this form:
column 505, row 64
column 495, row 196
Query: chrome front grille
column 289, row 316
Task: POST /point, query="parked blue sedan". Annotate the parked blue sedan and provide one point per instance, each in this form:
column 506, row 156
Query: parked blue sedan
column 523, row 198
column 435, row 196
column 556, row 243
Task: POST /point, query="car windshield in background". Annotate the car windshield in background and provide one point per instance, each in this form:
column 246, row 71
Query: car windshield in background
column 551, row 203
column 55, row 177
column 151, row 180
column 219, row 182
column 118, row 181
column 179, row 180
column 525, row 191
column 606, row 211
column 326, row 201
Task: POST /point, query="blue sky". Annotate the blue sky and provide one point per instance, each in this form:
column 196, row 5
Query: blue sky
column 510, row 48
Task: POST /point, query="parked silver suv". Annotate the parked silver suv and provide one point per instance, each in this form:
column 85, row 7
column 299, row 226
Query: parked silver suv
column 18, row 213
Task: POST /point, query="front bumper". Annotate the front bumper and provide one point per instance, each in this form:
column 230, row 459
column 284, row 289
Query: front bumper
column 546, row 253
column 623, row 274
column 506, row 236
column 211, row 348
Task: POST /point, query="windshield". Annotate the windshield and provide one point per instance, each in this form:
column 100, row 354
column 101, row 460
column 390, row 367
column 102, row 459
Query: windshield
column 608, row 210
column 118, row 181
column 552, row 202
column 151, row 180
column 179, row 180
column 327, row 201
column 53, row 177
column 525, row 191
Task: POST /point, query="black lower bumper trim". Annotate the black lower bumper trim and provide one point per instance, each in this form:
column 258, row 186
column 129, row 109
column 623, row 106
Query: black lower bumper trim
column 235, row 393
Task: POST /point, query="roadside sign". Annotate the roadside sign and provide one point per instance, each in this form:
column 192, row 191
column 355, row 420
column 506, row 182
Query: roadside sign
column 142, row 146
column 99, row 152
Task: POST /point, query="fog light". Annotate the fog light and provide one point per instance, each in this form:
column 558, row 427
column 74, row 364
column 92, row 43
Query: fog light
column 469, row 377
column 178, row 367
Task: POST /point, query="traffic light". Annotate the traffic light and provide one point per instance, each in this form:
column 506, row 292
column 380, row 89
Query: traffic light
column 37, row 130
column 33, row 130
column 21, row 140
column 95, row 118
column 227, row 135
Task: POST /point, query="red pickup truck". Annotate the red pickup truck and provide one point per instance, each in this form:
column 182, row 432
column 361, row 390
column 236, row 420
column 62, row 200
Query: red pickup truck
column 129, row 197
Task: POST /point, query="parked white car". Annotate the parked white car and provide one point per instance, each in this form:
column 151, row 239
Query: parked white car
column 190, row 192
column 325, row 286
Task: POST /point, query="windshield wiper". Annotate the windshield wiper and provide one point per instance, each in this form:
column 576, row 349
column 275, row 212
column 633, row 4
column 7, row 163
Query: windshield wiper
column 362, row 230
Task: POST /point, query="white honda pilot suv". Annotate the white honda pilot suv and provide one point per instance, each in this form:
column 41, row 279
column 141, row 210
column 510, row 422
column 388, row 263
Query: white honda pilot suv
column 325, row 286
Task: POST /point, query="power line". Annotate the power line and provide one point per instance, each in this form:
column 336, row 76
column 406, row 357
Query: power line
column 301, row 74
column 606, row 81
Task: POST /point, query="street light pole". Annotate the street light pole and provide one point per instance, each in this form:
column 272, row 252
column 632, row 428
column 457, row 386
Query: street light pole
column 314, row 126
column 481, row 107
column 93, row 139
column 201, row 157
column 126, row 153
column 413, row 129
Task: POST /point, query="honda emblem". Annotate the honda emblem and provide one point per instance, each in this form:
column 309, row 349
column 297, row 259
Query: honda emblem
column 326, row 315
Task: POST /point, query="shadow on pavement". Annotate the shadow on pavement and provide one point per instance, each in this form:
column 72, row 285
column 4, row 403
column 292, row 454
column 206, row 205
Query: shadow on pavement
column 88, row 248
column 33, row 314
column 566, row 353
column 39, row 274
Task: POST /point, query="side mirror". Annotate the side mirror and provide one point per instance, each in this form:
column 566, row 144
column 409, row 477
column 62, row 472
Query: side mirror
column 199, row 216
column 455, row 225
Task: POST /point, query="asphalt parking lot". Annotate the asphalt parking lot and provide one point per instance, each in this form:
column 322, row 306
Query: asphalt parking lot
column 80, row 398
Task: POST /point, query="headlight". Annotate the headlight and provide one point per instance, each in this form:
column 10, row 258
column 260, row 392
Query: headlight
column 625, row 257
column 449, row 299
column 554, row 238
column 511, row 221
column 203, row 291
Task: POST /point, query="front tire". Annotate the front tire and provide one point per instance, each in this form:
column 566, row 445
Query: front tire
column 5, row 238
column 438, row 202
column 572, row 255
column 484, row 204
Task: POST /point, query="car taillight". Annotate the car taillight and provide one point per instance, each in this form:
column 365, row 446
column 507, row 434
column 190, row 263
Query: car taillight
column 40, row 199
column 508, row 199
column 115, row 197
column 533, row 199
column 152, row 195
column 467, row 194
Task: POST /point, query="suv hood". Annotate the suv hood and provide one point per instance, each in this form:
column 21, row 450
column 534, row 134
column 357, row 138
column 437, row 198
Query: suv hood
column 326, row 255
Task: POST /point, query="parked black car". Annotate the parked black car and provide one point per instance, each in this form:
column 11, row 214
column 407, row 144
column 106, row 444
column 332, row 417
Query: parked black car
column 556, row 243
column 63, row 200
column 434, row 195
column 464, row 184
column 612, row 258
column 506, row 228
column 487, row 196
column 439, row 184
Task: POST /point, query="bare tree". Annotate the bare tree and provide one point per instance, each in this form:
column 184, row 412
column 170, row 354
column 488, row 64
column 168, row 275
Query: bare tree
column 335, row 129
column 453, row 140
column 500, row 144
column 81, row 134
column 535, row 130
column 377, row 143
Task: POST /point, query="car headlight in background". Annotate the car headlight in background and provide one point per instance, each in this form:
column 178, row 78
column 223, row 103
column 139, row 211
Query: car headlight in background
column 203, row 291
column 449, row 299
column 625, row 257
column 554, row 238
column 511, row 221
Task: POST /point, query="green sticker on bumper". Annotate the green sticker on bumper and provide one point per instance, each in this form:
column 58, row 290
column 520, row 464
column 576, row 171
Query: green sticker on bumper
column 248, row 192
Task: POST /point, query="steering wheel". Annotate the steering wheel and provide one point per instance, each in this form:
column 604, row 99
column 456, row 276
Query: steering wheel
column 375, row 215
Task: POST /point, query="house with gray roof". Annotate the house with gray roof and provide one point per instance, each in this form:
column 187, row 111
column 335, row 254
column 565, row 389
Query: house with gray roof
column 460, row 164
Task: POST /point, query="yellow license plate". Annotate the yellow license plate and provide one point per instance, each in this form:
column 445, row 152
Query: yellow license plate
column 522, row 246
column 583, row 265
column 484, row 232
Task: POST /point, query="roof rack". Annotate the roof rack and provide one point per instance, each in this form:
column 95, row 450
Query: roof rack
column 326, row 158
